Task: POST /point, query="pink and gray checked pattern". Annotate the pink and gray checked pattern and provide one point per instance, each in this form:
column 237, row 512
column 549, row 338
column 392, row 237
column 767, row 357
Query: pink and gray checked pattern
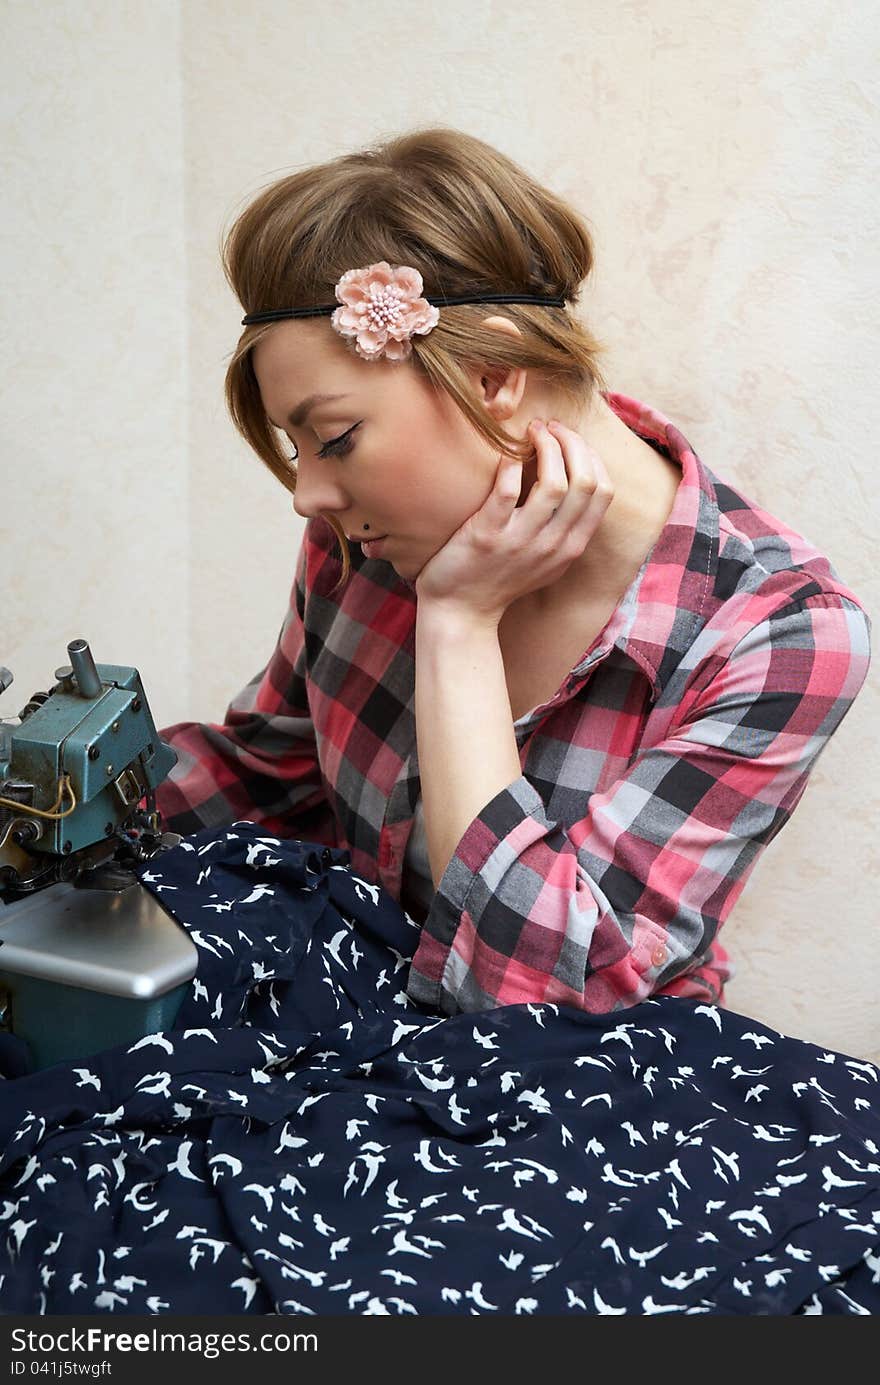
column 676, row 748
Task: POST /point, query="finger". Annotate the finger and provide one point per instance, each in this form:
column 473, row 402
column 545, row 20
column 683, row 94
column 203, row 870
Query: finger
column 551, row 487
column 590, row 490
column 501, row 500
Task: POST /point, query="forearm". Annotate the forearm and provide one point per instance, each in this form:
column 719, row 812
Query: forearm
column 464, row 727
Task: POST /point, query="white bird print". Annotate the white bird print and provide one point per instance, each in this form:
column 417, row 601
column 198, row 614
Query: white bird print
column 649, row 1306
column 402, row 1305
column 484, row 1040
column 683, row 1281
column 594, row 1146
column 20, row 1229
column 158, row 1039
column 507, row 1080
column 77, row 1281
column 635, row 1136
column 668, row 1218
column 712, row 1012
column 248, row 1287
column 475, row 1292
column 424, row 1159
column 321, row 1226
column 753, row 1214
column 156, row 1304
column 512, row 1260
column 399, row 1277
column 87, row 1078
column 550, row 1174
column 132, row 1197
column 675, row 1169
column 511, row 1222
column 759, row 1040
column 363, row 890
column 870, row 1069
column 602, row 1307
column 434, row 1084
column 263, row 1191
column 600, row 1096
column 643, row 1256
column 537, row 1012
column 335, row 944
column 787, row 1182
column 610, row 1244
column 609, row 1176
column 256, row 849
column 798, row 1253
column 234, row 1165
column 832, row 1181
column 201, row 1033
column 457, row 1112
column 620, row 1033
column 181, row 1163
column 731, row 1161
column 756, row 1091
column 107, row 1298
column 401, row 1245
column 762, row 1133
column 286, row 1141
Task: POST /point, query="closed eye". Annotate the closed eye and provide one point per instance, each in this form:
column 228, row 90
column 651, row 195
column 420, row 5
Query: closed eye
column 335, row 447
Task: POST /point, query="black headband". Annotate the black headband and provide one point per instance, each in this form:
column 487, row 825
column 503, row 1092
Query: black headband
column 276, row 314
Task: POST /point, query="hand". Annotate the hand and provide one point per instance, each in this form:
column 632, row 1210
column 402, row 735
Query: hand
column 503, row 550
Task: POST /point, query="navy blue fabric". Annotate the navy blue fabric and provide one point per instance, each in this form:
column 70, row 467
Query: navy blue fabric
column 308, row 1140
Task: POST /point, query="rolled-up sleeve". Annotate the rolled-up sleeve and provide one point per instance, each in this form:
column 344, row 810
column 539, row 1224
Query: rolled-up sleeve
column 626, row 902
column 261, row 763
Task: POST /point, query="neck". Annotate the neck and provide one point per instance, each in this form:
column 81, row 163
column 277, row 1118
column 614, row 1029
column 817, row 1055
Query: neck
column 645, row 484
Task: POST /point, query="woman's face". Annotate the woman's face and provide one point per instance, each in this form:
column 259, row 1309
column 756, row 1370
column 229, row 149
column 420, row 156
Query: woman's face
column 396, row 455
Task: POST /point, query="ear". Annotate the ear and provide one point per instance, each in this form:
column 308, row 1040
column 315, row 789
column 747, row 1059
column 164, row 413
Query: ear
column 501, row 386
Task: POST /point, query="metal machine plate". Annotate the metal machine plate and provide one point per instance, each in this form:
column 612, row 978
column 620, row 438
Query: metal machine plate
column 120, row 943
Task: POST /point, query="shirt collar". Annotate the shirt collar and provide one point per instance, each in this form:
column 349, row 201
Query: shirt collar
column 666, row 603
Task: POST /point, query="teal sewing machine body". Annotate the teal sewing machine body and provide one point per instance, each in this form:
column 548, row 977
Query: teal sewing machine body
column 88, row 957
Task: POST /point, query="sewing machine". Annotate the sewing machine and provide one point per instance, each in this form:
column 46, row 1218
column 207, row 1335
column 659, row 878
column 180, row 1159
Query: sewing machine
column 88, row 957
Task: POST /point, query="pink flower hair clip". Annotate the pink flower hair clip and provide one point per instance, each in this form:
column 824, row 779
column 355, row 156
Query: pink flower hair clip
column 382, row 308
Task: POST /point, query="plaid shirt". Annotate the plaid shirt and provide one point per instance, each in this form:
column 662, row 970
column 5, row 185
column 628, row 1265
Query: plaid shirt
column 676, row 748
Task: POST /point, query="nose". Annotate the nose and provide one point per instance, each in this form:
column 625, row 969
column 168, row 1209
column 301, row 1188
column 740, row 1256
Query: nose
column 317, row 495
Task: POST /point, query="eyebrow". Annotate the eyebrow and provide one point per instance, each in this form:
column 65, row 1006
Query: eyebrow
column 299, row 415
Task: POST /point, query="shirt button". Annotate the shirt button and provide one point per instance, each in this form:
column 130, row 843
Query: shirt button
column 659, row 955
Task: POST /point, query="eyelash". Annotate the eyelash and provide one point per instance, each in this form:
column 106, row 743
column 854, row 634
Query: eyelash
column 335, row 447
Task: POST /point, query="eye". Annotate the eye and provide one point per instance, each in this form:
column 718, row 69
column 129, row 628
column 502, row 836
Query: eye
column 338, row 447
column 335, row 447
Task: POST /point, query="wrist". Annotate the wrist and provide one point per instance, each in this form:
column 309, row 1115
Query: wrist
column 448, row 616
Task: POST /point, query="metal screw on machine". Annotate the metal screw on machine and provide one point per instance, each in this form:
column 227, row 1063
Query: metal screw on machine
column 88, row 679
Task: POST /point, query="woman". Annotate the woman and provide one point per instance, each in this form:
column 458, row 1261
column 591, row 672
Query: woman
column 556, row 698
column 557, row 709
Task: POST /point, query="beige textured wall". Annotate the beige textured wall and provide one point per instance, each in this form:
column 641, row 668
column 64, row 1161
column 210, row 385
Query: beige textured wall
column 724, row 157
column 93, row 360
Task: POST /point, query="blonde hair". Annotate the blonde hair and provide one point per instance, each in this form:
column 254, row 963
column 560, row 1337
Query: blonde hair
column 463, row 214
